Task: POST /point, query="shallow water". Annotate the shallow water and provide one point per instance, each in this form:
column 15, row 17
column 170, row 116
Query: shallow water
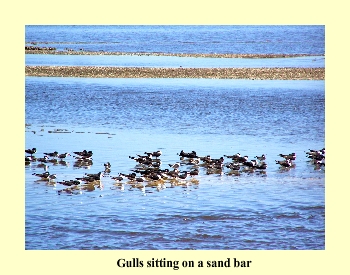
column 264, row 39
column 118, row 118
column 172, row 61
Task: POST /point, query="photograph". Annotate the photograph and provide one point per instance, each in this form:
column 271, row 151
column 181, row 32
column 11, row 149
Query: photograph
column 174, row 137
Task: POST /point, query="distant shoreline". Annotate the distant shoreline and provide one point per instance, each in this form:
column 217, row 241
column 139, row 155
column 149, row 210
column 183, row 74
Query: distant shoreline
column 52, row 51
column 146, row 72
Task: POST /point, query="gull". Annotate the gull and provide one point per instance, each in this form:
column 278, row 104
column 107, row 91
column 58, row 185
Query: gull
column 30, row 151
column 262, row 157
column 235, row 156
column 43, row 175
column 44, row 159
column 62, row 156
column 156, row 154
column 291, row 156
column 54, row 154
column 175, row 165
column 284, row 163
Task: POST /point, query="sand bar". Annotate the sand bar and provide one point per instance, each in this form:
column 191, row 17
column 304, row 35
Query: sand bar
column 147, row 72
column 48, row 50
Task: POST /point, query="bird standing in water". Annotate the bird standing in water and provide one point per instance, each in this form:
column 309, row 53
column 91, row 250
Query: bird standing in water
column 30, row 151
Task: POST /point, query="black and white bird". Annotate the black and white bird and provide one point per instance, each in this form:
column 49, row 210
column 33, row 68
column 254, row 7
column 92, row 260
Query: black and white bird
column 53, row 155
column 262, row 157
column 175, row 165
column 62, row 156
column 156, row 154
column 30, row 151
column 291, row 156
column 284, row 163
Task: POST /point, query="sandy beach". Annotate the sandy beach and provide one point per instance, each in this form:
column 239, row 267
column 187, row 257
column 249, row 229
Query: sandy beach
column 145, row 72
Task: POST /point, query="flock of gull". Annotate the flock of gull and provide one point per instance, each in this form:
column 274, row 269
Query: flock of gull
column 148, row 172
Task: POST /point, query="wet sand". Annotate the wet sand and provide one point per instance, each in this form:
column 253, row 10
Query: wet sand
column 146, row 72
column 47, row 50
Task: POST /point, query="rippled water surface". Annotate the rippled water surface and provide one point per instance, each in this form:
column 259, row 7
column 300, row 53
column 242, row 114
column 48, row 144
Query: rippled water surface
column 172, row 61
column 118, row 118
column 264, row 39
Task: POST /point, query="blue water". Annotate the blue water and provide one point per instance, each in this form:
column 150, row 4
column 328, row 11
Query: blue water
column 294, row 39
column 172, row 61
column 281, row 209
